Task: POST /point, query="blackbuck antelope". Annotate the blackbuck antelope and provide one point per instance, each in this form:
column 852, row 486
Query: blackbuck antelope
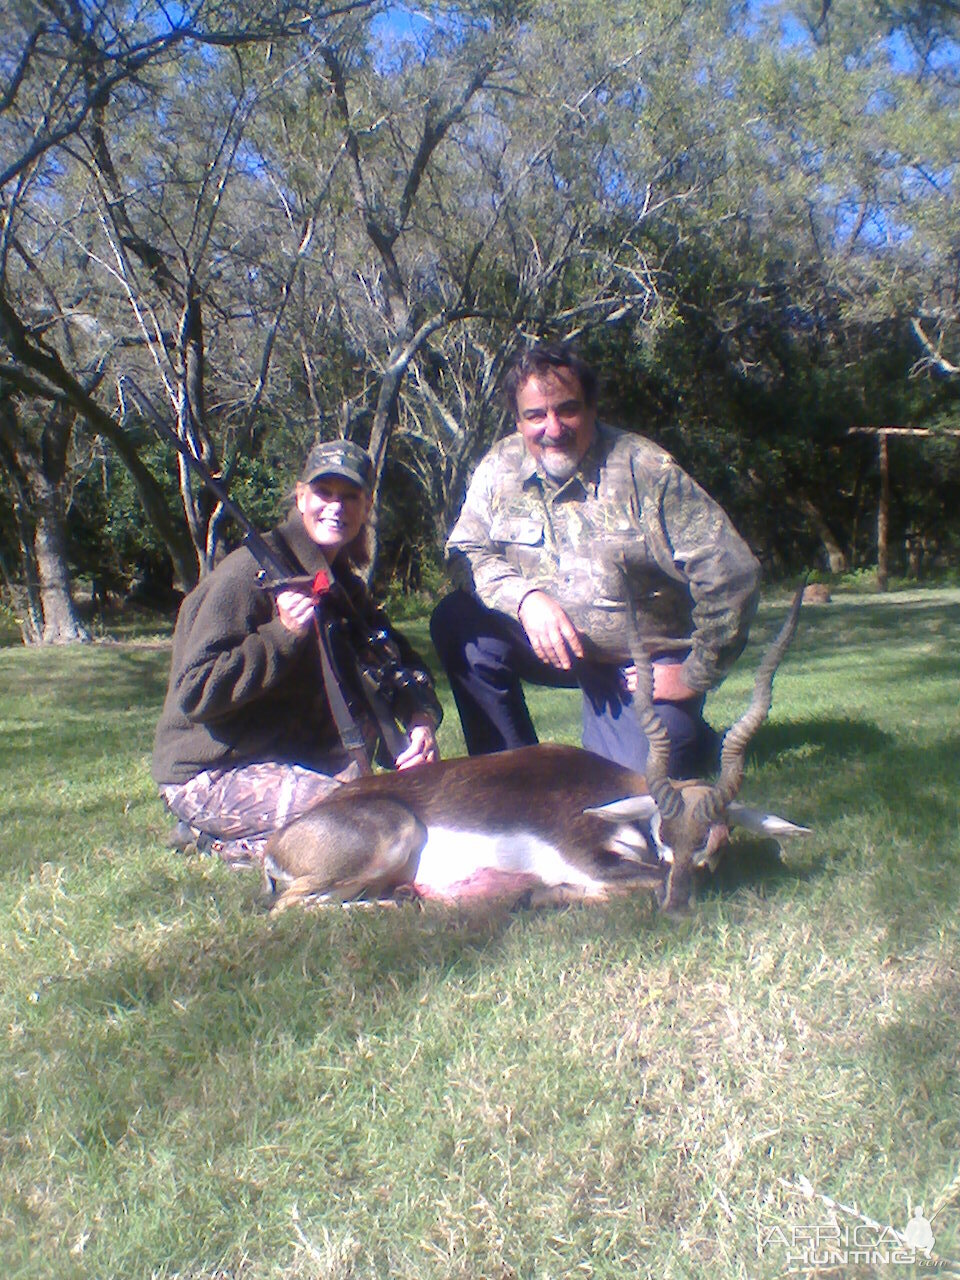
column 551, row 822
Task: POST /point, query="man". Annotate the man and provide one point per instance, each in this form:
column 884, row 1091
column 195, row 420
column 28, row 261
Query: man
column 568, row 527
column 247, row 740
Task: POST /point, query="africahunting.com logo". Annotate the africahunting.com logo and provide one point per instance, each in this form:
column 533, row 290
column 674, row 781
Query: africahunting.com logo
column 846, row 1237
column 832, row 1244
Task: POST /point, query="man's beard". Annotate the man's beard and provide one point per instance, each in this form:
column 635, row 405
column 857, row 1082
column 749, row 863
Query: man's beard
column 559, row 464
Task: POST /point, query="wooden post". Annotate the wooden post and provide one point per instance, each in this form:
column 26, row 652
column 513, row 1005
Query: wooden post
column 883, row 514
column 883, row 511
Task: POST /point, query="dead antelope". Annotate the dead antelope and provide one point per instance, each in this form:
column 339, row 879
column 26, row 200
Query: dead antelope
column 551, row 821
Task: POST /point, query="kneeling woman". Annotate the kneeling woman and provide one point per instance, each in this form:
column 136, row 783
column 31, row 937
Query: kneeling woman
column 247, row 740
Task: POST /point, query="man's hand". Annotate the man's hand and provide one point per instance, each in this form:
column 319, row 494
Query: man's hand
column 554, row 638
column 667, row 683
column 422, row 748
column 295, row 610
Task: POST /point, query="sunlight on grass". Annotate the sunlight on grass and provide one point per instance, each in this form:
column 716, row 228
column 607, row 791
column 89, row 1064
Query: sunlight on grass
column 194, row 1088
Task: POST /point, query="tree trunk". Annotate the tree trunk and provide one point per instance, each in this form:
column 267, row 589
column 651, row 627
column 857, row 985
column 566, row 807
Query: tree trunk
column 384, row 417
column 60, row 622
column 836, row 556
column 48, row 368
column 40, row 469
column 883, row 514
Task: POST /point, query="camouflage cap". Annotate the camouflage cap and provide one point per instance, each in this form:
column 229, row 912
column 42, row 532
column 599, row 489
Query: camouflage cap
column 339, row 458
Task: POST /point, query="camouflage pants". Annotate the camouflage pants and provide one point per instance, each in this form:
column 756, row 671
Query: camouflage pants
column 240, row 808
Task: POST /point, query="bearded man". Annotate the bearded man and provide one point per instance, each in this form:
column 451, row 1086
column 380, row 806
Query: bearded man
column 573, row 536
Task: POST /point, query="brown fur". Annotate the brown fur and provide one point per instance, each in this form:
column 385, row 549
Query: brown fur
column 367, row 848
column 488, row 792
column 366, row 837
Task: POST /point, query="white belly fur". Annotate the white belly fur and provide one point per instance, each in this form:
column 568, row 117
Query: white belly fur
column 450, row 856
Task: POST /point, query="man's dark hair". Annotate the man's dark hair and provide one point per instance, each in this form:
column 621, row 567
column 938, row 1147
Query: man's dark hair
column 544, row 357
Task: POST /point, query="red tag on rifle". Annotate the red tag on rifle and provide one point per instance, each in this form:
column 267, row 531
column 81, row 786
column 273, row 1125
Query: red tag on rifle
column 320, row 585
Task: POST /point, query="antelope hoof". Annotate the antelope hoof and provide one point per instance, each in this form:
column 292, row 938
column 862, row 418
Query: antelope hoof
column 559, row 895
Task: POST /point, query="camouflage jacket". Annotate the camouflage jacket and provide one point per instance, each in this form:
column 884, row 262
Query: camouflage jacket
column 692, row 580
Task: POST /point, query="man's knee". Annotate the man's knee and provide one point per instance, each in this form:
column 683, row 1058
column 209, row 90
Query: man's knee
column 447, row 629
column 612, row 729
column 464, row 630
column 691, row 738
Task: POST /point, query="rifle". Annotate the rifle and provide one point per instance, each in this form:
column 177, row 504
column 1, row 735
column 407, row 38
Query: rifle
column 376, row 659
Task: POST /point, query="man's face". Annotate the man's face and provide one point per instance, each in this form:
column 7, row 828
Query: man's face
column 557, row 425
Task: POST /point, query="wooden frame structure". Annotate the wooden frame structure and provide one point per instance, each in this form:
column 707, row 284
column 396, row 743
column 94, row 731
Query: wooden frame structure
column 883, row 509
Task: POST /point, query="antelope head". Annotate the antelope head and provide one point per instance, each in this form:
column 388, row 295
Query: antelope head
column 689, row 821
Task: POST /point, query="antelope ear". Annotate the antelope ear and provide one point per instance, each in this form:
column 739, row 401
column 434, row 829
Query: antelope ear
column 763, row 824
column 630, row 809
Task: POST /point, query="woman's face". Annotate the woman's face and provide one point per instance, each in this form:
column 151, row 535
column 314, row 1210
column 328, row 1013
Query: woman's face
column 333, row 511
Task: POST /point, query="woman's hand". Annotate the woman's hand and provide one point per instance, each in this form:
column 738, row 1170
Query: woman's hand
column 295, row 610
column 422, row 748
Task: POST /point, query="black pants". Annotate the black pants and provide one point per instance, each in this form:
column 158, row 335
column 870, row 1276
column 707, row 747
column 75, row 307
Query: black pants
column 487, row 656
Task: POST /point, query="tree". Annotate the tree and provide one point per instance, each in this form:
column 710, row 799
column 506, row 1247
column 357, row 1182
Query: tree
column 115, row 231
column 498, row 185
column 306, row 220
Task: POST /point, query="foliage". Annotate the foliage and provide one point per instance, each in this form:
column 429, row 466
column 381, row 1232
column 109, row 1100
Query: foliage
column 263, row 226
column 192, row 1087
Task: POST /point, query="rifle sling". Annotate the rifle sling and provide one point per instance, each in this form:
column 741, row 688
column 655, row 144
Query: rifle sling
column 349, row 731
column 347, row 727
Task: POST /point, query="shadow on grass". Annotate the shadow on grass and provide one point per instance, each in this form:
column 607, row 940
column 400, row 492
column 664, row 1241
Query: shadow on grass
column 911, row 1054
column 837, row 739
column 161, row 1027
column 931, row 665
column 917, row 1045
column 298, row 975
column 117, row 677
column 758, row 865
column 911, row 786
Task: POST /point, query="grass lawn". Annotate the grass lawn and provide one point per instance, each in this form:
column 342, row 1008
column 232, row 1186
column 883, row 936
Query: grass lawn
column 191, row 1088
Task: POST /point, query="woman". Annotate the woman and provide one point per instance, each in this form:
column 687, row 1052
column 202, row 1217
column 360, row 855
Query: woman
column 246, row 740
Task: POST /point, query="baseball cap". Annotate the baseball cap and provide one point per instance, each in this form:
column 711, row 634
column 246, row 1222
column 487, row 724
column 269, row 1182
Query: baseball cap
column 339, row 458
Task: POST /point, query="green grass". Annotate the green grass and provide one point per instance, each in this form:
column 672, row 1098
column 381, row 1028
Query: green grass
column 191, row 1088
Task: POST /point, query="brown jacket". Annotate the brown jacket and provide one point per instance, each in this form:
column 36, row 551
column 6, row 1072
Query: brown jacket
column 243, row 688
